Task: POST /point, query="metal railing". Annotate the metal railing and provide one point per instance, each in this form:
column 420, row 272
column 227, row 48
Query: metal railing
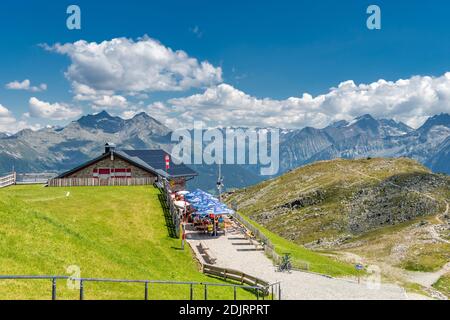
column 8, row 180
column 259, row 291
column 163, row 186
column 269, row 247
column 35, row 178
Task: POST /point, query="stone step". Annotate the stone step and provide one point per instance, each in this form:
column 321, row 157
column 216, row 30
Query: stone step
column 251, row 249
column 242, row 244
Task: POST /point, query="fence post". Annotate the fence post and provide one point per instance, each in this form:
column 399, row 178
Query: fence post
column 234, row 293
column 191, row 292
column 146, row 290
column 53, row 288
column 81, row 290
column 206, row 292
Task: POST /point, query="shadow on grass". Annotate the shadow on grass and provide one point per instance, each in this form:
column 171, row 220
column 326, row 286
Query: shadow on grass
column 167, row 216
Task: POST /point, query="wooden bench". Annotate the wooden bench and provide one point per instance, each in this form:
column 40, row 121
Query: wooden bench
column 206, row 253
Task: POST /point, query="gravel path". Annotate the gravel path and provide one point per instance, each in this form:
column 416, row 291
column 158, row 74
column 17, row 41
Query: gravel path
column 234, row 252
column 426, row 279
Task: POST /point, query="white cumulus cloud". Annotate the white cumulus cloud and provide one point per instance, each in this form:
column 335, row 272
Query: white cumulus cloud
column 25, row 85
column 53, row 111
column 8, row 123
column 127, row 65
column 410, row 100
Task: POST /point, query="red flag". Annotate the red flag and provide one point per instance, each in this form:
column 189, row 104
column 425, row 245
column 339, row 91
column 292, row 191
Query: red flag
column 167, row 160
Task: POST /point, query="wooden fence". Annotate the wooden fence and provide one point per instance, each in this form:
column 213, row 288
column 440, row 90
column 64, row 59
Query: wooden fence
column 233, row 275
column 78, row 182
column 229, row 274
column 8, row 180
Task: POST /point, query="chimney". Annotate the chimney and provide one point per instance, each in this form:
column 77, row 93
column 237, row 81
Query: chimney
column 109, row 147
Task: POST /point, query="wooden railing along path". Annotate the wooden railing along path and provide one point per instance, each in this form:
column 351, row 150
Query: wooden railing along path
column 266, row 288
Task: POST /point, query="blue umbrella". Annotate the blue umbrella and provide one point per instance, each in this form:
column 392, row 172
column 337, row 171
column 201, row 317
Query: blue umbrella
column 206, row 203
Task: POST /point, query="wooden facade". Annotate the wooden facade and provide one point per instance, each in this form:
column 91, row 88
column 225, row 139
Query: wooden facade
column 79, row 182
column 111, row 165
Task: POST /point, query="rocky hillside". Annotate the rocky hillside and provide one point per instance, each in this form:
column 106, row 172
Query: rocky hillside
column 334, row 201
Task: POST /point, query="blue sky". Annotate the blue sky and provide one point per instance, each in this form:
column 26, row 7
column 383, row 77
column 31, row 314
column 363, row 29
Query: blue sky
column 267, row 52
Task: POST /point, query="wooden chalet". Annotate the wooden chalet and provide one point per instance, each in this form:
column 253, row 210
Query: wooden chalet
column 126, row 167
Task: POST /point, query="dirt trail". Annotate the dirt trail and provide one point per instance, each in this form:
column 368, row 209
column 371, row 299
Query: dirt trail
column 427, row 279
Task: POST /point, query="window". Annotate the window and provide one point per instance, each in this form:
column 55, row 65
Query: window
column 105, row 173
column 121, row 172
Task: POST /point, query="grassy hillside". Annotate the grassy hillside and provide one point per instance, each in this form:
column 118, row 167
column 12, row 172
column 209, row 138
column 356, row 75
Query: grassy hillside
column 331, row 201
column 109, row 232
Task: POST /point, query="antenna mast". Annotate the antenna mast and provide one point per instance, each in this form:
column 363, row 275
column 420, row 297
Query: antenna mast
column 220, row 182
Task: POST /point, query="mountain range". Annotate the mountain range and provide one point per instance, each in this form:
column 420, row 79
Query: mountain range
column 57, row 149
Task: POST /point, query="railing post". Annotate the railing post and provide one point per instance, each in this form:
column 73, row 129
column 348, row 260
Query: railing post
column 53, row 288
column 191, row 292
column 206, row 292
column 271, row 287
column 279, row 291
column 234, row 293
column 146, row 290
column 81, row 290
column 257, row 293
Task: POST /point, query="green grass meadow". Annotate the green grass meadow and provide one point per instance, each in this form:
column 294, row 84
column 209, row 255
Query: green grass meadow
column 108, row 232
